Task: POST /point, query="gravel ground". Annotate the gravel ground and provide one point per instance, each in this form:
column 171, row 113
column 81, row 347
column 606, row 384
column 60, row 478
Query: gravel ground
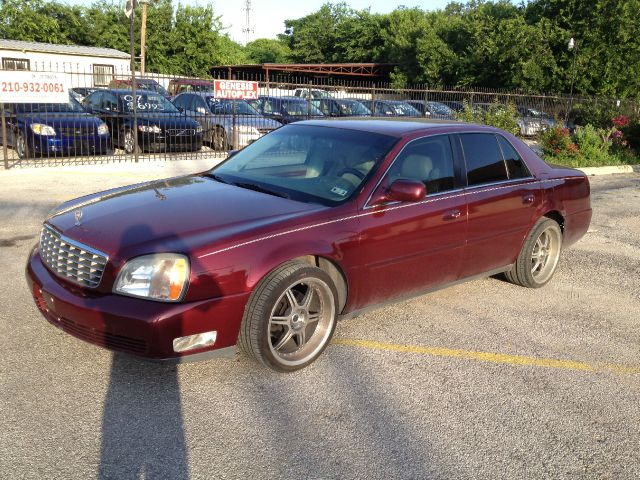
column 71, row 410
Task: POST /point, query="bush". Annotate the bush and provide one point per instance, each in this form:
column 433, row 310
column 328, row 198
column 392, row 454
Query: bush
column 596, row 113
column 590, row 147
column 497, row 115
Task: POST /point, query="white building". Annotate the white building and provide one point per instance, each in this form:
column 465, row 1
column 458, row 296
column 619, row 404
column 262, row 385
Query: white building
column 86, row 66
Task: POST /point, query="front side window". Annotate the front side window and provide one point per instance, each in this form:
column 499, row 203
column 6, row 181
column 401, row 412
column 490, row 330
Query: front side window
column 483, row 158
column 307, row 163
column 428, row 160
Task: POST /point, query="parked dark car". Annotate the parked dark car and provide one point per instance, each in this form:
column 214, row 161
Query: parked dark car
column 434, row 110
column 313, row 222
column 147, row 84
column 390, row 108
column 533, row 121
column 161, row 126
column 183, row 85
column 79, row 93
column 285, row 109
column 39, row 129
column 341, row 107
column 221, row 128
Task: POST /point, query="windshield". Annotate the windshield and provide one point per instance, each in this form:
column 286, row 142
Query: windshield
column 72, row 106
column 404, row 109
column 148, row 102
column 352, row 107
column 440, row 109
column 308, row 163
column 225, row 107
column 299, row 107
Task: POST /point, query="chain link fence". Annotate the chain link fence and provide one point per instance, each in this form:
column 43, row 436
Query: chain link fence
column 178, row 117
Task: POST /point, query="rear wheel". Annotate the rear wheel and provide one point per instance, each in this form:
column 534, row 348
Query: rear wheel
column 290, row 317
column 539, row 256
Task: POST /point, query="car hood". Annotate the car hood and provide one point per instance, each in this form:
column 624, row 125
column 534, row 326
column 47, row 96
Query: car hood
column 181, row 214
column 257, row 121
column 62, row 119
column 166, row 120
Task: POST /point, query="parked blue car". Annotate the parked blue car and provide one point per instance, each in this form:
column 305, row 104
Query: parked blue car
column 285, row 109
column 54, row 129
column 161, row 126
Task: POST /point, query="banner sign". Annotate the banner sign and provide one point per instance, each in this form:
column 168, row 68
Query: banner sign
column 33, row 87
column 236, row 89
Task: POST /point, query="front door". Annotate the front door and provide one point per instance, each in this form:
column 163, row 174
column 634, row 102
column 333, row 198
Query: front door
column 411, row 247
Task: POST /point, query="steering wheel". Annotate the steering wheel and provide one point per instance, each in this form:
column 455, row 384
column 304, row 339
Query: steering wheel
column 352, row 171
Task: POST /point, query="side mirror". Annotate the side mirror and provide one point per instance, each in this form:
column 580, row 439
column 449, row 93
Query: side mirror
column 401, row 190
column 232, row 153
column 405, row 190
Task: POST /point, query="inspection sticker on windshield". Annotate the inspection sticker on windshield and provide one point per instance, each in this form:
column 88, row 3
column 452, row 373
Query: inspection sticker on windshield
column 339, row 191
column 34, row 87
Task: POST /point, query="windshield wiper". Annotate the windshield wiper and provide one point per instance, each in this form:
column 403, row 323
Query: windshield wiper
column 258, row 188
column 217, row 178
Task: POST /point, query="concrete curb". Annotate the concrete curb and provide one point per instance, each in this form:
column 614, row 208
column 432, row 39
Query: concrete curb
column 591, row 171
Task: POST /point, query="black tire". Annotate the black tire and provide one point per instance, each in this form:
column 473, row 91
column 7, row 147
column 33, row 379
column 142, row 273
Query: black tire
column 270, row 302
column 526, row 272
column 21, row 146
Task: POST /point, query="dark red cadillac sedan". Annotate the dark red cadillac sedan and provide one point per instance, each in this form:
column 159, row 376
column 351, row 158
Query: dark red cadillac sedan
column 313, row 222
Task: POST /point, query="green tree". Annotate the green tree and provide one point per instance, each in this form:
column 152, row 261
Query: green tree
column 267, row 50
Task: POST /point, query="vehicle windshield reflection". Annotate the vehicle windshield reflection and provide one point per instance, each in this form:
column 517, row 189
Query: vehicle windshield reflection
column 308, row 163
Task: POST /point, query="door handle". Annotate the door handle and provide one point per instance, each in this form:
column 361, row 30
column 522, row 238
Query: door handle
column 528, row 198
column 452, row 214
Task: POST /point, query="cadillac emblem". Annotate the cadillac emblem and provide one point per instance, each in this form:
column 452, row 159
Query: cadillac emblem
column 78, row 216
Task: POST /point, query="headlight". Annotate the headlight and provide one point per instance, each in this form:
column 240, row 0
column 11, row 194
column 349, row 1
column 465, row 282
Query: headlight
column 160, row 276
column 247, row 129
column 150, row 128
column 103, row 129
column 199, row 129
column 41, row 129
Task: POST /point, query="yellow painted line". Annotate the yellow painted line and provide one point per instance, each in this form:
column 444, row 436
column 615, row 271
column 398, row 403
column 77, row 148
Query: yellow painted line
column 501, row 358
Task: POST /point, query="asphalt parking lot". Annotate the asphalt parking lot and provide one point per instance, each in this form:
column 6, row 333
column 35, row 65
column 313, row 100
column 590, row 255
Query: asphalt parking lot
column 483, row 380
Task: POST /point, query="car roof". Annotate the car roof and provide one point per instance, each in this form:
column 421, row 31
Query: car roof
column 396, row 128
column 124, row 91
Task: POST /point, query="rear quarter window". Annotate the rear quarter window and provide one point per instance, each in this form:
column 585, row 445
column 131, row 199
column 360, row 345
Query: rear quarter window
column 515, row 166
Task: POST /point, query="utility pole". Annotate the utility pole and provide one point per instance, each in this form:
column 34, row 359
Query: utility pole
column 143, row 36
column 130, row 12
column 247, row 30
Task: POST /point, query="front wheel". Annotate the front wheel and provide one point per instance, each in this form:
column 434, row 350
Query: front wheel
column 539, row 256
column 290, row 317
column 22, row 147
column 129, row 143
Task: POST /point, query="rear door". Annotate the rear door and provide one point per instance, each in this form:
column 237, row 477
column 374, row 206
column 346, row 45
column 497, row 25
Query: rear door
column 410, row 247
column 502, row 197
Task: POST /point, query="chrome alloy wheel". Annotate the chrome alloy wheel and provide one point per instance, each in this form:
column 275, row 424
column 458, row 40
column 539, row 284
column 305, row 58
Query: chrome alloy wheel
column 545, row 254
column 129, row 141
column 21, row 146
column 301, row 321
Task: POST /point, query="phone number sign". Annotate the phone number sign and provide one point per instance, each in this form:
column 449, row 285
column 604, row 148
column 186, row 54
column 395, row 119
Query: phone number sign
column 33, row 87
column 236, row 89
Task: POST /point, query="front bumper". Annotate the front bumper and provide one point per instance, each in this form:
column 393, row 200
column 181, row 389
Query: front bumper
column 131, row 325
column 60, row 145
column 162, row 142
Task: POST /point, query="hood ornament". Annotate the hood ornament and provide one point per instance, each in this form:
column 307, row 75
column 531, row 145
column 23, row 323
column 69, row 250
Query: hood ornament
column 78, row 216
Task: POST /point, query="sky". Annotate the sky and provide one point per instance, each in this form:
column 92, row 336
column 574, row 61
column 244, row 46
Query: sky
column 268, row 16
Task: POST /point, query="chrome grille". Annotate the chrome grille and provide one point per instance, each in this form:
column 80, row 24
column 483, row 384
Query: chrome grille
column 77, row 131
column 70, row 259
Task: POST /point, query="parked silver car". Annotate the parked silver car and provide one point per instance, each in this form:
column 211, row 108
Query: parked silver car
column 226, row 124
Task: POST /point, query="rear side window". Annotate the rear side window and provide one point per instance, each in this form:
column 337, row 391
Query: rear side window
column 483, row 158
column 515, row 165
